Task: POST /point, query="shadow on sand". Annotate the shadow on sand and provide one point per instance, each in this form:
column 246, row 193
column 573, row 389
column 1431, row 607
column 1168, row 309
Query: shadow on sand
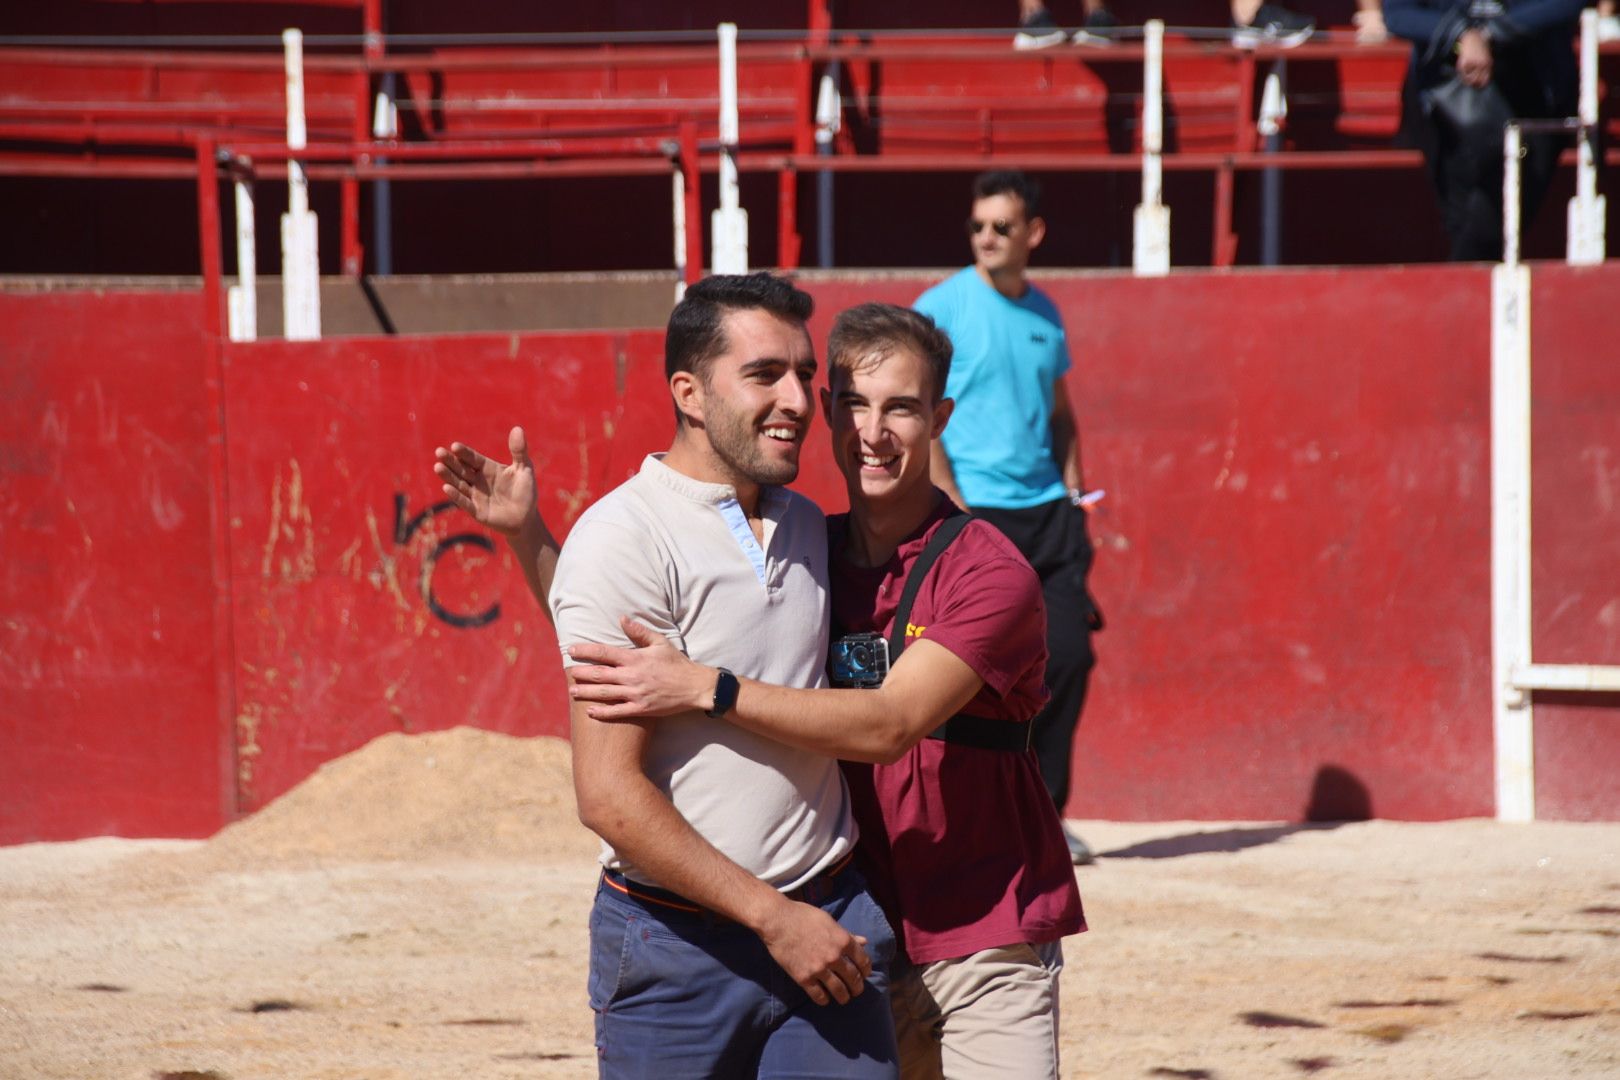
column 1337, row 796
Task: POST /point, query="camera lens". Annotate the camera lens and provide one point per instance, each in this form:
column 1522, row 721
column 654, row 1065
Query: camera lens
column 861, row 656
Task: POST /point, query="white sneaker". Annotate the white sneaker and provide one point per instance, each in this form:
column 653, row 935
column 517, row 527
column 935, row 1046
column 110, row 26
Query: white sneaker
column 1038, row 31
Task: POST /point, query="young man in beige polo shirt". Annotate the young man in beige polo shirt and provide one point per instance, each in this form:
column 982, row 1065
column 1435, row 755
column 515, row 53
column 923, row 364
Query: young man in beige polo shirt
column 731, row 935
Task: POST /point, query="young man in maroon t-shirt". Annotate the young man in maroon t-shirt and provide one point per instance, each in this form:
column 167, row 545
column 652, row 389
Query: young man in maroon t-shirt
column 964, row 847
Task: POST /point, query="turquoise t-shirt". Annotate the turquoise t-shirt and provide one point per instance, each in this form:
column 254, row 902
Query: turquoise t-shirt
column 1008, row 354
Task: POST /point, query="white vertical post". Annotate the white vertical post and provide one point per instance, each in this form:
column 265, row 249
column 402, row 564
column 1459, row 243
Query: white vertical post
column 1587, row 209
column 242, row 302
column 729, row 224
column 679, row 186
column 384, row 128
column 1512, row 152
column 1150, row 247
column 1510, row 540
column 300, row 260
column 829, row 118
column 1510, row 508
column 1273, row 112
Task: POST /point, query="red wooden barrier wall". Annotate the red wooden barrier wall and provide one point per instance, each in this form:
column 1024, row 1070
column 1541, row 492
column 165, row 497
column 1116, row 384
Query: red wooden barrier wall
column 361, row 606
column 1294, row 553
column 107, row 653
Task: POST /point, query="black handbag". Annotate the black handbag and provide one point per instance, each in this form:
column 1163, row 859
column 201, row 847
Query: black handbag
column 1472, row 112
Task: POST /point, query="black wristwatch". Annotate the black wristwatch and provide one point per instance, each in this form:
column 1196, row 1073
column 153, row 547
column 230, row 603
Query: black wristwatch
column 725, row 694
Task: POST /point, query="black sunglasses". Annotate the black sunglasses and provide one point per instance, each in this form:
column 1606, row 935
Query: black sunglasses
column 1002, row 227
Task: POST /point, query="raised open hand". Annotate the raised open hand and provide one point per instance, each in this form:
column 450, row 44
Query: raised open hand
column 503, row 497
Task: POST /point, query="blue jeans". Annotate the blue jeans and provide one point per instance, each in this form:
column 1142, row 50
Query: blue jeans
column 682, row 994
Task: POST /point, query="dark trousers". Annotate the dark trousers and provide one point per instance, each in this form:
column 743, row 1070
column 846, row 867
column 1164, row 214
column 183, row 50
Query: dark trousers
column 1467, row 176
column 1054, row 539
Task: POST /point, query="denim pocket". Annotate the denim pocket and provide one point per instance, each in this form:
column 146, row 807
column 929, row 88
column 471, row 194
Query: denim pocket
column 612, row 930
column 866, row 918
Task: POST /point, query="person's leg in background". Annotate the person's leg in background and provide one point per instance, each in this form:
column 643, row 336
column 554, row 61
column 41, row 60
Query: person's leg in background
column 1037, row 29
column 1256, row 22
column 1069, row 661
column 918, row 1025
column 1053, row 538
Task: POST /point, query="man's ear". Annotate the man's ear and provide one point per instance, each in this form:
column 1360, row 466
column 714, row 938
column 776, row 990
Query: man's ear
column 942, row 416
column 687, row 390
column 826, row 405
column 1037, row 231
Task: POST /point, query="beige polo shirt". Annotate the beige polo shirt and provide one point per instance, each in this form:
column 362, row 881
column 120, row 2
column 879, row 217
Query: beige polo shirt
column 678, row 555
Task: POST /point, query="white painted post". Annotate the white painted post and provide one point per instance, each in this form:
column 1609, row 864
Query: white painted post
column 300, row 259
column 1510, row 540
column 1512, row 153
column 1510, row 507
column 1273, row 106
column 829, row 112
column 679, row 185
column 242, row 301
column 729, row 224
column 1150, row 245
column 829, row 118
column 384, row 128
column 1587, row 209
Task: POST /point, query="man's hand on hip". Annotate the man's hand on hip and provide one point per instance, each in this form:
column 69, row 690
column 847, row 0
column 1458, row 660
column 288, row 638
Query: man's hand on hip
column 827, row 961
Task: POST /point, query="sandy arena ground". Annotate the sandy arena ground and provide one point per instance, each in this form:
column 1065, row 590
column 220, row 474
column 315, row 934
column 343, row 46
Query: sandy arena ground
column 417, row 910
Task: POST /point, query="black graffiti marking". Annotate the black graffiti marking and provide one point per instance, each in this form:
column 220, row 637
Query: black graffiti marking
column 465, row 622
column 405, row 528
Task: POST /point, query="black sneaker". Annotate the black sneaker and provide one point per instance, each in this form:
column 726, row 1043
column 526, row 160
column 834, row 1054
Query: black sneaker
column 1274, row 25
column 1101, row 28
column 1038, row 31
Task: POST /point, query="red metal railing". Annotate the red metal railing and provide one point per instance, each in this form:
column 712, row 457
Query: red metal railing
column 943, row 103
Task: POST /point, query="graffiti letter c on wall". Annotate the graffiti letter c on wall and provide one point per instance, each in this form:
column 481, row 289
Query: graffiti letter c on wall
column 405, row 528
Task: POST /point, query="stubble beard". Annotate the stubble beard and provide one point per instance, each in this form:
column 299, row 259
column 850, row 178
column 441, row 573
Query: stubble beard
column 735, row 441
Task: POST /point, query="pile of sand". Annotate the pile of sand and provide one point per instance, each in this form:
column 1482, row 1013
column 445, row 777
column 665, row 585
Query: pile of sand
column 462, row 793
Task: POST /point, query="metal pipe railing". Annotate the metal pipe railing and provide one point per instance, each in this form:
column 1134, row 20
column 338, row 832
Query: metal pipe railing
column 616, row 150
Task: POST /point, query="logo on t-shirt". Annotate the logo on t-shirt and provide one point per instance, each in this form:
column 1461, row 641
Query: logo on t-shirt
column 913, row 630
column 1037, row 338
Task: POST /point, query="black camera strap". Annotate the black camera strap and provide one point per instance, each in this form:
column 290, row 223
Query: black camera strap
column 963, row 729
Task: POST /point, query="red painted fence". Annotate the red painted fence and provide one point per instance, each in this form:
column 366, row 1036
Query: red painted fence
column 1294, row 553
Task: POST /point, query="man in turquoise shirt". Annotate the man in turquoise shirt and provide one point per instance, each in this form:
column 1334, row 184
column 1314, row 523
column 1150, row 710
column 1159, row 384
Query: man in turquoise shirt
column 1012, row 451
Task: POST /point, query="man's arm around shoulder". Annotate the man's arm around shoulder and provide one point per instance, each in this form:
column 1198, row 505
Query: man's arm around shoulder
column 927, row 686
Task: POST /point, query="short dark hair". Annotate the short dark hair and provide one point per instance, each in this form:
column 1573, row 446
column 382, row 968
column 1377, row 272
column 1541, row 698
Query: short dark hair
column 1010, row 182
column 876, row 331
column 696, row 333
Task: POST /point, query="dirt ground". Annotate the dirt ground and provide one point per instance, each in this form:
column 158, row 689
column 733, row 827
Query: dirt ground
column 417, row 910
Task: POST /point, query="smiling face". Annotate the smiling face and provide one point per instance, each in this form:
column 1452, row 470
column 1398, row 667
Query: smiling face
column 884, row 418
column 753, row 400
column 995, row 253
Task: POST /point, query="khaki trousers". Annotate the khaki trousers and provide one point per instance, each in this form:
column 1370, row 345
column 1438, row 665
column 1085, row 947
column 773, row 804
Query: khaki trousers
column 991, row 1014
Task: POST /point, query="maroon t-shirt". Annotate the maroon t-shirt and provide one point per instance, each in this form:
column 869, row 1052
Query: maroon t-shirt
column 962, row 845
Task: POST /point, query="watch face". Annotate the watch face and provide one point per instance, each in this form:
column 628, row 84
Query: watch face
column 725, row 694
